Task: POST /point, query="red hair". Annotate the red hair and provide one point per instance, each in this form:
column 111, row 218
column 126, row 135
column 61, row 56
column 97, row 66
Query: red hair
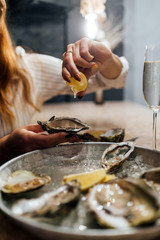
column 10, row 72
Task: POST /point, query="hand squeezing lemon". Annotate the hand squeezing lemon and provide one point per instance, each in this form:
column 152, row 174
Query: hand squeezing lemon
column 78, row 86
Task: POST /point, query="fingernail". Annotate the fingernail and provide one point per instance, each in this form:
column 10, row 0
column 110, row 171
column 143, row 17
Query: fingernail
column 80, row 97
column 95, row 66
column 78, row 77
column 67, row 78
column 69, row 135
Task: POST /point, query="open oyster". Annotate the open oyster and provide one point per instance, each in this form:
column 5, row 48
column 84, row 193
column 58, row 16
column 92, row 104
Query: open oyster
column 113, row 135
column 48, row 203
column 22, row 180
column 123, row 203
column 152, row 177
column 115, row 155
column 63, row 124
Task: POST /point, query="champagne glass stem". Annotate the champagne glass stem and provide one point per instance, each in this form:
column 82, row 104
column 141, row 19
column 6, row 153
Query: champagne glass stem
column 154, row 128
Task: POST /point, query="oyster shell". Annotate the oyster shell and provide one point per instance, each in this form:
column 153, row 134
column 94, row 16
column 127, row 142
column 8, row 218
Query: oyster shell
column 113, row 135
column 48, row 203
column 115, row 155
column 22, row 180
column 87, row 137
column 63, row 124
column 152, row 177
column 123, row 203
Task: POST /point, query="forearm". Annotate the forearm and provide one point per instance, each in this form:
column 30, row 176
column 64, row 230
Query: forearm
column 111, row 68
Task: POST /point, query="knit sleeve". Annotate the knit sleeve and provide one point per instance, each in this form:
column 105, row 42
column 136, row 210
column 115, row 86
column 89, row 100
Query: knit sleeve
column 46, row 72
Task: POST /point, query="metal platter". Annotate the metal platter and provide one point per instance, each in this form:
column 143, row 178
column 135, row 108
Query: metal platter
column 66, row 159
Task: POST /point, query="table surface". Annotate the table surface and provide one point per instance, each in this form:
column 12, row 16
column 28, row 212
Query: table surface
column 134, row 118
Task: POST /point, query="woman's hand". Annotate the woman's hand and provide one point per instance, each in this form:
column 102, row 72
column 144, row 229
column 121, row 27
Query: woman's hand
column 89, row 57
column 29, row 138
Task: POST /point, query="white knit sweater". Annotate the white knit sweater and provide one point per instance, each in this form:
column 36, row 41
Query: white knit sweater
column 47, row 82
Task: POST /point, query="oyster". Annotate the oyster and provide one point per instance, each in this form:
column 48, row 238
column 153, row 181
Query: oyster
column 113, row 135
column 152, row 177
column 63, row 124
column 123, row 203
column 48, row 203
column 115, row 155
column 22, row 180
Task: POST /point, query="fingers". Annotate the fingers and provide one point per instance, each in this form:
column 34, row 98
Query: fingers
column 69, row 68
column 77, row 56
column 34, row 128
column 85, row 48
column 43, row 141
column 46, row 141
column 82, row 58
column 100, row 52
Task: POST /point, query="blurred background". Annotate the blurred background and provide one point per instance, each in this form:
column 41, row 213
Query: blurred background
column 47, row 26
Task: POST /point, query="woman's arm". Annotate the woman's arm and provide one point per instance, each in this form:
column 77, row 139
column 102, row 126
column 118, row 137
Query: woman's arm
column 94, row 58
column 89, row 57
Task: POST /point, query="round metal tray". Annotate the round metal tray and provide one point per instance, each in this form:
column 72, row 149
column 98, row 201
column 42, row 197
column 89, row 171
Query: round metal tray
column 78, row 224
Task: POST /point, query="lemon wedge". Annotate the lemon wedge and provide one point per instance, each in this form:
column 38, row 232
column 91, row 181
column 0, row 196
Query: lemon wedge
column 108, row 177
column 87, row 179
column 78, row 86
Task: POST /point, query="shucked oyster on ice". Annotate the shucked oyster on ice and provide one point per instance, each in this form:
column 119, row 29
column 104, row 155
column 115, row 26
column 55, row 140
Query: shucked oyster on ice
column 123, row 203
column 22, row 180
column 63, row 124
column 48, row 203
column 152, row 177
column 115, row 155
column 113, row 135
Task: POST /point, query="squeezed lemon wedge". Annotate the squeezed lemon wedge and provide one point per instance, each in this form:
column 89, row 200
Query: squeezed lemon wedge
column 78, row 86
column 88, row 179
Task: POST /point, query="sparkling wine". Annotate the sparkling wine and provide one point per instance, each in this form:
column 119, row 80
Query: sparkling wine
column 151, row 84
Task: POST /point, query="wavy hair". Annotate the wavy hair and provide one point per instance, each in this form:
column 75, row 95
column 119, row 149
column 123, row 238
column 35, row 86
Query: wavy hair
column 11, row 74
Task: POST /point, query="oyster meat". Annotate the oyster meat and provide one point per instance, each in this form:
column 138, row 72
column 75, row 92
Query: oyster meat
column 115, row 155
column 22, row 180
column 123, row 203
column 63, row 124
column 113, row 135
column 48, row 203
column 152, row 177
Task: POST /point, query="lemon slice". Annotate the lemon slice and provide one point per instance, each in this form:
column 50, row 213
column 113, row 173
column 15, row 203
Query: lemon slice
column 87, row 179
column 78, row 86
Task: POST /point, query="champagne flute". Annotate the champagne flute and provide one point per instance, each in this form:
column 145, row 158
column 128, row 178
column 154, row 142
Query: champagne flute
column 151, row 83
